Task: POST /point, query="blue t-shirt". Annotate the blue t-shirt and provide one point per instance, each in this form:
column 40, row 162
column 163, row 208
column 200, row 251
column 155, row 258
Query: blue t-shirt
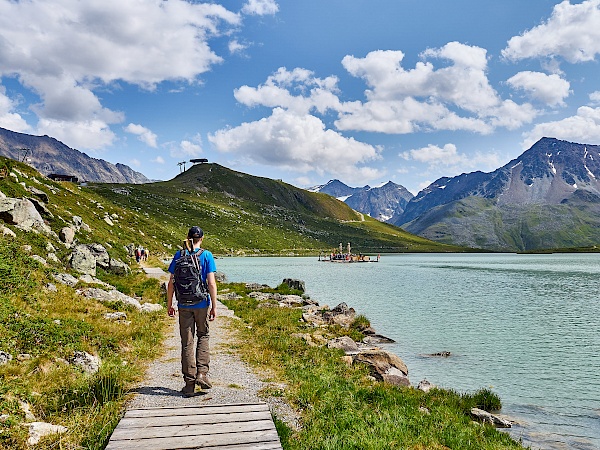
column 207, row 265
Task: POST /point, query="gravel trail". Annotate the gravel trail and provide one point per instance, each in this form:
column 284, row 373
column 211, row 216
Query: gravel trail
column 233, row 381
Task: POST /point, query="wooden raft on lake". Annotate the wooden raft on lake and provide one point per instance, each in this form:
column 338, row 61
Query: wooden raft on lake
column 216, row 427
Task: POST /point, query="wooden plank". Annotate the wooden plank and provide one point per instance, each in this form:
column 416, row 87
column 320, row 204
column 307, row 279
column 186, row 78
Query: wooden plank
column 212, row 442
column 275, row 445
column 145, row 422
column 124, row 434
column 195, row 410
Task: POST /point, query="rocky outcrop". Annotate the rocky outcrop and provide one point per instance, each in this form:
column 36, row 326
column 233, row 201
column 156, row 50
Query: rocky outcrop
column 90, row 364
column 113, row 295
column 37, row 430
column 67, row 235
column 82, row 260
column 295, row 284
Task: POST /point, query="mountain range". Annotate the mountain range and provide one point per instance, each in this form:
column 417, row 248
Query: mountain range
column 50, row 156
column 380, row 202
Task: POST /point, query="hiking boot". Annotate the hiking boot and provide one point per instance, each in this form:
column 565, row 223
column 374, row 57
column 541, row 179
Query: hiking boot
column 189, row 389
column 202, row 381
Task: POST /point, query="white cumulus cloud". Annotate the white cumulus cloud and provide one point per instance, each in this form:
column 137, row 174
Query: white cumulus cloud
column 10, row 119
column 549, row 89
column 65, row 49
column 143, row 134
column 298, row 142
column 572, row 32
column 583, row 128
column 158, row 160
column 260, row 7
column 448, row 156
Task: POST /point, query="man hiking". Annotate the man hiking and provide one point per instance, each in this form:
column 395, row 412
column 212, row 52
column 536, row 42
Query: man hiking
column 193, row 283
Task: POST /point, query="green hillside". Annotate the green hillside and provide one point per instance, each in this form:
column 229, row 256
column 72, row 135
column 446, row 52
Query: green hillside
column 244, row 214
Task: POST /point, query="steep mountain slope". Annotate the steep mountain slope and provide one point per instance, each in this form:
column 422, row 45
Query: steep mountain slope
column 380, row 202
column 49, row 156
column 244, row 214
column 549, row 197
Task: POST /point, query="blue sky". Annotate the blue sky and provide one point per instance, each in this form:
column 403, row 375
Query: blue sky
column 305, row 91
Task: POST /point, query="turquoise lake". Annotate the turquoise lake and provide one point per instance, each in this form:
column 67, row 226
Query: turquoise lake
column 527, row 326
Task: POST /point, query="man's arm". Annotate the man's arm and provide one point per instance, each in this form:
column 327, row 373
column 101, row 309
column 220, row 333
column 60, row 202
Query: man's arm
column 170, row 291
column 212, row 290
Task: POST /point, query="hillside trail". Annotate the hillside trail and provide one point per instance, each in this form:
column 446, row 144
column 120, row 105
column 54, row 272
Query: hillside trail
column 233, row 381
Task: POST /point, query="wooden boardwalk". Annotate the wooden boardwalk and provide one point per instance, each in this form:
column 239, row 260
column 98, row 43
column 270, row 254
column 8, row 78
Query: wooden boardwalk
column 217, row 427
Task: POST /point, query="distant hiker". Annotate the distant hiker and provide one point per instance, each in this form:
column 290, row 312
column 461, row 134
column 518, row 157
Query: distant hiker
column 138, row 254
column 146, row 253
column 143, row 254
column 192, row 275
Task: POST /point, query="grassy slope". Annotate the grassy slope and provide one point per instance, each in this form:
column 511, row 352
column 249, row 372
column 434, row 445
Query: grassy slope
column 243, row 214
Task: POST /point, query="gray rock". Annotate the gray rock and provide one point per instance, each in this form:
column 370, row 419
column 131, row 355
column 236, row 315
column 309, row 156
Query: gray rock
column 65, row 278
column 295, row 284
column 39, row 259
column 486, row 417
column 52, row 257
column 384, row 366
column 374, row 339
column 41, row 208
column 340, row 315
column 220, row 277
column 67, row 235
column 77, row 221
column 150, row 307
column 89, row 363
column 118, row 267
column 8, row 232
column 37, row 430
column 50, row 248
column 39, row 194
column 425, row 386
column 23, row 214
column 343, row 342
column 101, row 255
column 82, row 260
column 118, row 315
column 51, row 287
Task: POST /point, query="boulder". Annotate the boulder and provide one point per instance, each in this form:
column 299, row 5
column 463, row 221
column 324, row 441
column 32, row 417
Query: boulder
column 118, row 267
column 22, row 213
column 52, row 257
column 101, row 255
column 295, row 284
column 89, row 363
column 39, row 259
column 150, row 307
column 343, row 342
column 340, row 315
column 37, row 430
column 8, row 232
column 67, row 235
column 384, row 366
column 118, row 315
column 486, row 417
column 82, row 260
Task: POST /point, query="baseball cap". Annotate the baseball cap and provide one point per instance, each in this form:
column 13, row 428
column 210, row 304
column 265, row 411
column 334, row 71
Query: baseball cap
column 195, row 232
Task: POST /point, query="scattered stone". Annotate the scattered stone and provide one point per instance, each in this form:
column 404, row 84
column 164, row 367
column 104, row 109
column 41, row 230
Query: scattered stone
column 26, row 248
column 37, row 430
column 150, row 307
column 50, row 247
column 65, row 278
column 67, row 235
column 89, row 363
column 425, row 386
column 50, row 287
column 56, row 321
column 23, row 357
column 118, row 315
column 93, row 280
column 108, row 221
column 340, row 315
column 27, row 410
column 4, row 418
column 229, row 296
column 257, row 287
column 39, row 259
column 8, row 232
column 52, row 257
column 295, row 284
column 5, row 358
column 424, row 410
column 220, row 277
column 343, row 342
column 486, row 417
